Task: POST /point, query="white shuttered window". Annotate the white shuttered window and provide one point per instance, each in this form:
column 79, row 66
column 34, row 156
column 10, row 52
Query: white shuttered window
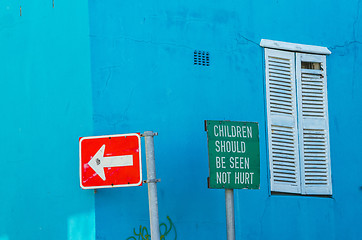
column 296, row 94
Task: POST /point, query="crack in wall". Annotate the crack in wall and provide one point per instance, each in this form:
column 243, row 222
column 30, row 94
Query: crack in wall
column 247, row 39
column 356, row 20
column 346, row 44
column 172, row 44
column 144, row 41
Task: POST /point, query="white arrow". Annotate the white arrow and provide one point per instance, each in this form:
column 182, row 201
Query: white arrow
column 99, row 162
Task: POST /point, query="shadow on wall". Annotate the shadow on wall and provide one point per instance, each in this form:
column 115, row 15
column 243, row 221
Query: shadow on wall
column 167, row 232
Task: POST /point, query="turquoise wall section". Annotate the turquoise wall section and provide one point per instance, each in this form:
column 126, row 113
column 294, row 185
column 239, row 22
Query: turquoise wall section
column 144, row 79
column 46, row 106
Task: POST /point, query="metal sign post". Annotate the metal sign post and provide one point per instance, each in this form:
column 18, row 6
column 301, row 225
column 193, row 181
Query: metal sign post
column 152, row 187
column 234, row 161
column 230, row 214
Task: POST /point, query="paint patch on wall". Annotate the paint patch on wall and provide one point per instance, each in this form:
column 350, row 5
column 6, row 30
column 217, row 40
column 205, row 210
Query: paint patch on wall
column 81, row 226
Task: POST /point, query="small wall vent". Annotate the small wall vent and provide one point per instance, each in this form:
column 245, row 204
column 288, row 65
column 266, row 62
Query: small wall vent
column 201, row 58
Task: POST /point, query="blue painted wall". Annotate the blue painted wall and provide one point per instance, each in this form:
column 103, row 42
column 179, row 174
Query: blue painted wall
column 106, row 67
column 46, row 105
column 144, row 79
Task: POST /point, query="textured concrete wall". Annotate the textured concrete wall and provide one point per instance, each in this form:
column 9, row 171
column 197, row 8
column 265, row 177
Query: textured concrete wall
column 144, row 78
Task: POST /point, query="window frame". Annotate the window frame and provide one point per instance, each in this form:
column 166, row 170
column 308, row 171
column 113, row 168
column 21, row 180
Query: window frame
column 312, row 54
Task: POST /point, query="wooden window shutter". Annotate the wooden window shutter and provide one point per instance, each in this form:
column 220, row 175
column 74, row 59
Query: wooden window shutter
column 313, row 124
column 282, row 121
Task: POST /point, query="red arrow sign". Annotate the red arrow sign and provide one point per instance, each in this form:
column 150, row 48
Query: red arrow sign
column 110, row 161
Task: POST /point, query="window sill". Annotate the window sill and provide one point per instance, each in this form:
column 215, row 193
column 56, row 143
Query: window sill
column 299, row 195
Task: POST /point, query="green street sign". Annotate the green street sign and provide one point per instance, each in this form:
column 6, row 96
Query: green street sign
column 234, row 156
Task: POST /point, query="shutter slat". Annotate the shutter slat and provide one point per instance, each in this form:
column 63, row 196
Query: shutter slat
column 280, row 81
column 280, row 94
column 284, row 146
column 273, row 60
column 281, row 87
column 285, row 101
column 311, row 72
column 289, row 166
column 279, row 67
column 312, row 83
column 280, row 73
column 316, row 170
column 315, row 184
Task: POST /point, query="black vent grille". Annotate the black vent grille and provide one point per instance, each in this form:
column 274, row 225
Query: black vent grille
column 201, row 58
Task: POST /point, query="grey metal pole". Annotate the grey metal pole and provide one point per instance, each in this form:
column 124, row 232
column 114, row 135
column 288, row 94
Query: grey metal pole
column 152, row 187
column 230, row 214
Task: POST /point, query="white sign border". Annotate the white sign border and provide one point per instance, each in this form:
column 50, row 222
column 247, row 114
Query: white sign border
column 107, row 136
